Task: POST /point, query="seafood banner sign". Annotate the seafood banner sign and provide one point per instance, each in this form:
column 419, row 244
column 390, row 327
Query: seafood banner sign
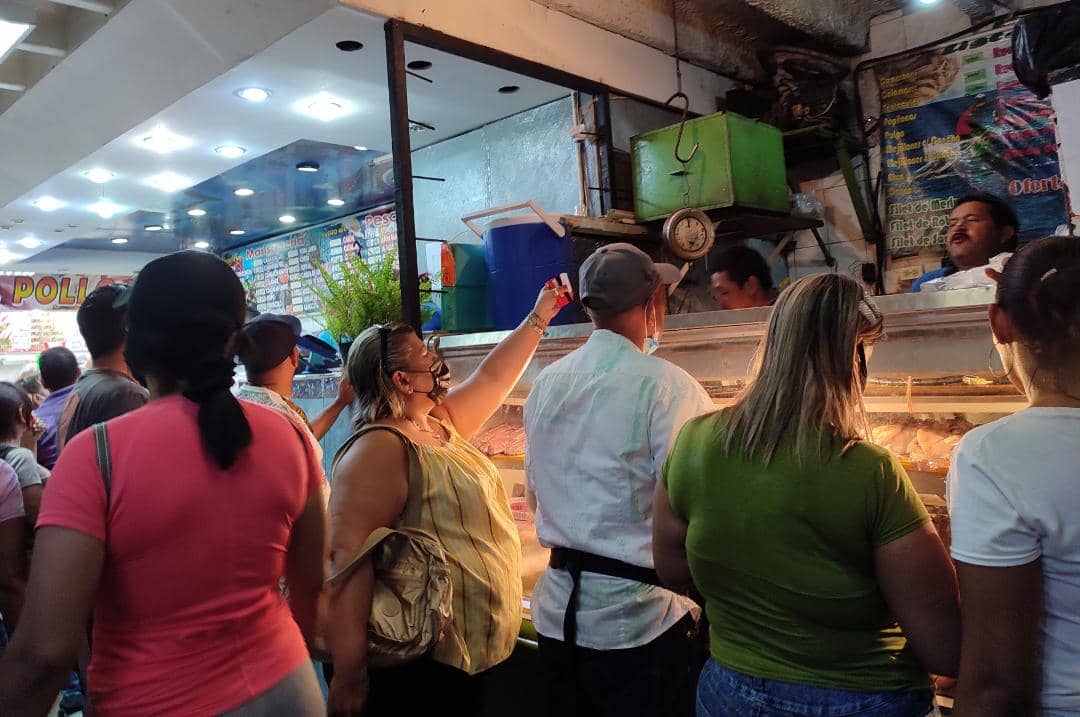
column 957, row 121
column 50, row 291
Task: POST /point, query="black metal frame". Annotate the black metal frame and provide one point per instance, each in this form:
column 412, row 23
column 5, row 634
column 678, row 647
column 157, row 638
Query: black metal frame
column 398, row 33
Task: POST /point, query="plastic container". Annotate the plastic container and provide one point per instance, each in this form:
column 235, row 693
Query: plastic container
column 465, row 304
column 522, row 253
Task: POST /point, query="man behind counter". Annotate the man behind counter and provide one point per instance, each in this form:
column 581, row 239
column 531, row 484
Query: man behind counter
column 981, row 226
column 742, row 279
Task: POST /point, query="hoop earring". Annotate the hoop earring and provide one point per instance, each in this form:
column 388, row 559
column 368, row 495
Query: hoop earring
column 1004, row 374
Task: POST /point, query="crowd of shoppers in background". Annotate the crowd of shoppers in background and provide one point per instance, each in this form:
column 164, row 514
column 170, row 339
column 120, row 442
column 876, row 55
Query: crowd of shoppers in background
column 770, row 531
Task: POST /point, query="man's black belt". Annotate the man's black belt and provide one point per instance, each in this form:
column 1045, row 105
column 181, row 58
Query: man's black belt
column 577, row 562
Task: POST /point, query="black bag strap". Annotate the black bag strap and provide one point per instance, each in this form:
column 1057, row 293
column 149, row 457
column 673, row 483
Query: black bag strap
column 104, row 461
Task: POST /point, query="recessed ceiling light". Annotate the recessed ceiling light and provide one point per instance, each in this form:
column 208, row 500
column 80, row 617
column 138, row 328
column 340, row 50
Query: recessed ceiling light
column 202, row 245
column 162, row 141
column 324, row 107
column 237, row 232
column 104, row 208
column 928, row 2
column 97, row 175
column 119, row 240
column 419, row 65
column 349, row 45
column 169, row 182
column 152, row 228
column 253, row 94
column 508, row 89
column 230, row 151
column 335, row 202
column 286, row 219
column 243, row 192
column 48, row 204
column 307, row 167
column 196, row 212
column 29, row 242
column 359, row 148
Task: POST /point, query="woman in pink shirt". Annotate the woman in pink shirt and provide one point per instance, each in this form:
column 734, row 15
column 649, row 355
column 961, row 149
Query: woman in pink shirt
column 179, row 553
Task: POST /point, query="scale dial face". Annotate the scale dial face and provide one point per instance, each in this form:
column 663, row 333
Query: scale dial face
column 689, row 233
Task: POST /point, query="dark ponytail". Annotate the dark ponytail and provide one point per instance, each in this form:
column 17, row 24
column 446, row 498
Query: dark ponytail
column 185, row 317
column 1039, row 290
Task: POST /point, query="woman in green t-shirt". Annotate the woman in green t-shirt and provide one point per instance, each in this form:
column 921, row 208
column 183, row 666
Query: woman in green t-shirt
column 826, row 588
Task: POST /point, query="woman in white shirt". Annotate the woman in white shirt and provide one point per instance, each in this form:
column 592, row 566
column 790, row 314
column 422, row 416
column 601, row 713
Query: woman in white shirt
column 1014, row 495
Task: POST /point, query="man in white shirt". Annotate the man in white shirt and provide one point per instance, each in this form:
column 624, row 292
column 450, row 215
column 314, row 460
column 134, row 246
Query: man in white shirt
column 600, row 422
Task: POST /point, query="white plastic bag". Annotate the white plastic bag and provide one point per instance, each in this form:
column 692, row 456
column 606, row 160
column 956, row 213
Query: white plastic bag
column 969, row 278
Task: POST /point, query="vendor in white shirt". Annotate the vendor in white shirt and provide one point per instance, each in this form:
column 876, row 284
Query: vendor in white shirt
column 600, row 422
column 981, row 226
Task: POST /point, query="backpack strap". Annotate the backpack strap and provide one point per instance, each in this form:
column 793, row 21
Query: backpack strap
column 104, row 461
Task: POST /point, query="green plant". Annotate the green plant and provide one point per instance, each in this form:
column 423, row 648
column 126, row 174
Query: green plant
column 364, row 295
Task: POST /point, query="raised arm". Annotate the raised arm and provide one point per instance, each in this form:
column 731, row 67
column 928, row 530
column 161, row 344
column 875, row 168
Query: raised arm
column 999, row 660
column 370, row 489
column 321, row 424
column 63, row 579
column 471, row 403
column 918, row 583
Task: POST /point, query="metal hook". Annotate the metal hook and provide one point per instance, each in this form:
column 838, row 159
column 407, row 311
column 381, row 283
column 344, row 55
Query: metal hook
column 682, row 126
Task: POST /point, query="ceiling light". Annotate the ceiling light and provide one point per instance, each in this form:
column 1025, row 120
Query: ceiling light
column 307, row 167
column 324, row 107
column 196, row 212
column 6, row 257
column 237, row 232
column 162, row 141
column 97, row 175
column 419, row 65
column 48, row 204
column 152, row 228
column 202, row 245
column 286, row 219
column 349, row 45
column 169, row 182
column 928, row 2
column 11, row 34
column 335, row 202
column 104, row 208
column 511, row 89
column 230, row 151
column 359, row 148
column 243, row 192
column 119, row 240
column 29, row 242
column 253, row 94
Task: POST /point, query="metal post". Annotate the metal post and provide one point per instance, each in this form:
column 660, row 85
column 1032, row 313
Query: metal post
column 401, row 148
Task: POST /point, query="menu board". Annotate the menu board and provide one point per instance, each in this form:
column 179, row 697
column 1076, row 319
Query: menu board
column 32, row 332
column 957, row 121
column 280, row 275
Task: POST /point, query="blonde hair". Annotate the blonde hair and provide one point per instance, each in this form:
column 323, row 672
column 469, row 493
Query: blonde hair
column 808, row 387
column 376, row 396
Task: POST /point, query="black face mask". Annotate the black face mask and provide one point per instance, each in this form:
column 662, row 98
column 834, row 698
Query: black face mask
column 440, row 381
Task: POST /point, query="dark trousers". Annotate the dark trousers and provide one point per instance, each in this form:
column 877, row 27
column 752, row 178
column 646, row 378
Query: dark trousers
column 425, row 687
column 654, row 680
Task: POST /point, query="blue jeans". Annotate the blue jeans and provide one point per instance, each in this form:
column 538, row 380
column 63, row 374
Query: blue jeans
column 726, row 693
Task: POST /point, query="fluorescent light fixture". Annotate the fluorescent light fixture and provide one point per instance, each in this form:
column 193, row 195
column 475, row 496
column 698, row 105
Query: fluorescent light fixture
column 202, row 245
column 163, row 141
column 359, row 148
column 307, row 166
column 196, row 212
column 324, row 107
column 169, row 182
column 253, row 94
column 119, row 240
column 286, row 219
column 238, row 232
column 29, row 242
column 48, row 204
column 335, row 202
column 104, row 208
column 153, row 228
column 243, row 192
column 928, row 2
column 230, row 151
column 97, row 175
column 11, row 34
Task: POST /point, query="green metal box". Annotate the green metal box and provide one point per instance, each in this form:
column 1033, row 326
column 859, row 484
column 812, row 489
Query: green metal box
column 739, row 162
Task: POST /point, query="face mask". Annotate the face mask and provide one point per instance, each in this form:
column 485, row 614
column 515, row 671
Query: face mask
column 652, row 341
column 440, row 382
column 652, row 344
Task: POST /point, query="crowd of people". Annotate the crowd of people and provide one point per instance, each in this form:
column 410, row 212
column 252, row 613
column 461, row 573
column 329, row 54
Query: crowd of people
column 764, row 559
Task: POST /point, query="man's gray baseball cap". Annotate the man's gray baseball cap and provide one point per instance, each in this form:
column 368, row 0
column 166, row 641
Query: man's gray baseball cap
column 617, row 277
